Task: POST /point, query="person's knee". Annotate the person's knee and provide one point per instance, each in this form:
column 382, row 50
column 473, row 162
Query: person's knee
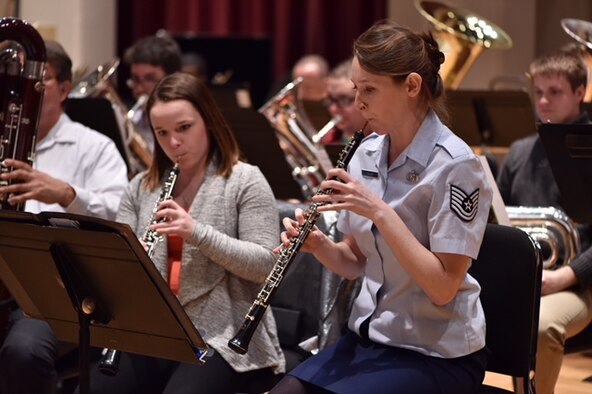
column 29, row 355
column 551, row 335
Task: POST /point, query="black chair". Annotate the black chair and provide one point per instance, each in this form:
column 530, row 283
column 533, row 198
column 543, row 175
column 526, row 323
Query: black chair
column 509, row 269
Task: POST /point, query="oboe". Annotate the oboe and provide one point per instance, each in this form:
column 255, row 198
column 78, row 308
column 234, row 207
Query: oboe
column 109, row 363
column 151, row 237
column 240, row 342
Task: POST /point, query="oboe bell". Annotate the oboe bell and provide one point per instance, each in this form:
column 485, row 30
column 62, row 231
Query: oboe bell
column 109, row 364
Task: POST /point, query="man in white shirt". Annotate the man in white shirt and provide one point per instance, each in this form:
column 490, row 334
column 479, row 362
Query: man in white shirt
column 76, row 170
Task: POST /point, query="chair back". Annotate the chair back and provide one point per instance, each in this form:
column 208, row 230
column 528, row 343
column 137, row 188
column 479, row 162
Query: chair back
column 509, row 270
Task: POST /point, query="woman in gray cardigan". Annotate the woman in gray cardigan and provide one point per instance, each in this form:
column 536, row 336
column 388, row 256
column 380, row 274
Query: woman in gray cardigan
column 221, row 226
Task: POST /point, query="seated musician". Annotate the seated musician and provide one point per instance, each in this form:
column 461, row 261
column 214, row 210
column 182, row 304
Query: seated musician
column 340, row 100
column 150, row 59
column 413, row 210
column 76, row 170
column 526, row 179
column 221, row 227
column 313, row 70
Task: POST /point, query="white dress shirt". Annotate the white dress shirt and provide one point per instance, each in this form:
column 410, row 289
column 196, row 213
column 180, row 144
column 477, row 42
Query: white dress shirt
column 87, row 160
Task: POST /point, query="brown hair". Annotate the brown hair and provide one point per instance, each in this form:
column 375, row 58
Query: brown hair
column 159, row 51
column 563, row 63
column 223, row 150
column 391, row 50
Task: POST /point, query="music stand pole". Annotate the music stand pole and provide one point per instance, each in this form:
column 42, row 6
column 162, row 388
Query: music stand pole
column 84, row 302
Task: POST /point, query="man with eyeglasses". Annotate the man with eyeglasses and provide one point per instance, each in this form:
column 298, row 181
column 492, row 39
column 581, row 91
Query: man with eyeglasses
column 150, row 59
column 340, row 100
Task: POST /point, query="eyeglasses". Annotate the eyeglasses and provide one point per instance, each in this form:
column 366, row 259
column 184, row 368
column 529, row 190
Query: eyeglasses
column 340, row 101
column 148, row 80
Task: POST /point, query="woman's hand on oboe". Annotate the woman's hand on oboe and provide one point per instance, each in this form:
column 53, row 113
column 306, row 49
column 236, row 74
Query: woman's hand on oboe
column 312, row 242
column 349, row 194
column 173, row 219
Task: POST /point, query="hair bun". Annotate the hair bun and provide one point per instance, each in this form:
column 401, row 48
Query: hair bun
column 434, row 53
column 441, row 57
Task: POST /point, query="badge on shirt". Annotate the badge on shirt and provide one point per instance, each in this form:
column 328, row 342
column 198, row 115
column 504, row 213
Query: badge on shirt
column 369, row 174
column 462, row 204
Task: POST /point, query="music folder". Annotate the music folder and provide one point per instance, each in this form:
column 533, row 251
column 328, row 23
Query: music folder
column 569, row 150
column 62, row 267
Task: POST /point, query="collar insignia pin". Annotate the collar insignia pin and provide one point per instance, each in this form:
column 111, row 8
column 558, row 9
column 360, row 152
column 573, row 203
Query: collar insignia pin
column 412, row 177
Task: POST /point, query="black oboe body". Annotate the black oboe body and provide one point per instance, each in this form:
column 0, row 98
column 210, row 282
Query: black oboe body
column 240, row 342
column 109, row 363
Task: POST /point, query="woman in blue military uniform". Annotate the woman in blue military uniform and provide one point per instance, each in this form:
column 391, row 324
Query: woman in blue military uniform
column 414, row 207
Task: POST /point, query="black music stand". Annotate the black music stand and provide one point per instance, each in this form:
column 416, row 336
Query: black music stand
column 490, row 117
column 244, row 60
column 260, row 146
column 92, row 281
column 317, row 113
column 98, row 114
column 569, row 150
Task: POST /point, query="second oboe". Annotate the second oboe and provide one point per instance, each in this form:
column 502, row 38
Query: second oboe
column 109, row 363
column 240, row 342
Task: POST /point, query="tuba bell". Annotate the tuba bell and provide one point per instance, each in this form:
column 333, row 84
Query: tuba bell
column 298, row 138
column 552, row 229
column 98, row 83
column 462, row 36
column 581, row 31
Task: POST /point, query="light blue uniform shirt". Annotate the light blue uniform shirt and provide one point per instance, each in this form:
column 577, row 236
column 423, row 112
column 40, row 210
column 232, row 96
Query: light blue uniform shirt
column 439, row 189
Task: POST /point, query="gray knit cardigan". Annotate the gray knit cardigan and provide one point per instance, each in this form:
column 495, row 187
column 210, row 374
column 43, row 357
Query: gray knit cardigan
column 226, row 260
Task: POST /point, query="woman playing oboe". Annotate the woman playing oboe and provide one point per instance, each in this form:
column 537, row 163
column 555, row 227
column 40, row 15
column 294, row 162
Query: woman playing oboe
column 221, row 227
column 414, row 206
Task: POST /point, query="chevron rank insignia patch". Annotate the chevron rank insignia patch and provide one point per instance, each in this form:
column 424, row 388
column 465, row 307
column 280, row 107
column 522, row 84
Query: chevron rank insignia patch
column 462, row 204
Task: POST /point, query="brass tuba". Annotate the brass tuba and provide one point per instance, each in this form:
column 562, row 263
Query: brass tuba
column 551, row 227
column 98, row 83
column 581, row 31
column 462, row 36
column 298, row 138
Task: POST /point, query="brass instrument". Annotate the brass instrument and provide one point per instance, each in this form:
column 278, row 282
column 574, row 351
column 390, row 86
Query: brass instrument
column 240, row 342
column 462, row 36
column 21, row 90
column 550, row 226
column 326, row 129
column 98, row 83
column 296, row 134
column 109, row 363
column 581, row 31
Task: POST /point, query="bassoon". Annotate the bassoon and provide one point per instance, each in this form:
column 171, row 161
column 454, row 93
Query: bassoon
column 22, row 64
column 21, row 94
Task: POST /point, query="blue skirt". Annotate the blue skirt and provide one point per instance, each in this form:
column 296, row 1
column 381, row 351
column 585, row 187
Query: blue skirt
column 357, row 365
